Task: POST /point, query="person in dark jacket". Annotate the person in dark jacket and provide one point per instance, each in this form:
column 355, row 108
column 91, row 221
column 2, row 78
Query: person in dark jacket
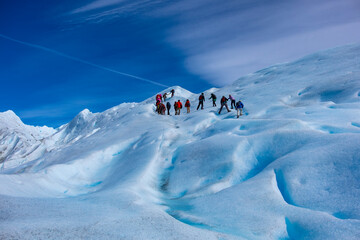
column 187, row 105
column 201, row 101
column 223, row 102
column 175, row 107
column 168, row 106
column 162, row 109
column 213, row 97
column 172, row 92
column 157, row 105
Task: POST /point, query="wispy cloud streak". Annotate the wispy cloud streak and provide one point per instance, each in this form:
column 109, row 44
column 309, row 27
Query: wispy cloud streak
column 81, row 60
column 97, row 4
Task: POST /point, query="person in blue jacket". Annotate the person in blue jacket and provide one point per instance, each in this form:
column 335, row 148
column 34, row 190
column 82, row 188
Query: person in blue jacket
column 239, row 108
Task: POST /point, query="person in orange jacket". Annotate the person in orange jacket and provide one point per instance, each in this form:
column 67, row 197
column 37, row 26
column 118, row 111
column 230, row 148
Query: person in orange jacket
column 178, row 107
column 187, row 105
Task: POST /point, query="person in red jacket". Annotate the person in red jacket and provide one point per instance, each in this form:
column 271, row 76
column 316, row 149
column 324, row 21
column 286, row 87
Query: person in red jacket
column 158, row 97
column 223, row 102
column 178, row 107
column 187, row 105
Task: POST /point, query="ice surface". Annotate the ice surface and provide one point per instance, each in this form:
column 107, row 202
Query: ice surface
column 289, row 168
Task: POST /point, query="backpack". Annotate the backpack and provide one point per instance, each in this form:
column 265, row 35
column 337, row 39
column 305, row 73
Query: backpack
column 187, row 104
column 223, row 100
column 201, row 98
column 239, row 104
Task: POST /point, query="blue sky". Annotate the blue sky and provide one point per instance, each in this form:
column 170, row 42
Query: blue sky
column 56, row 55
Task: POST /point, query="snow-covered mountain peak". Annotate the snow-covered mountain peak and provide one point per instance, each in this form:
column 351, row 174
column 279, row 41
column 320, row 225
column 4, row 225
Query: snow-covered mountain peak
column 180, row 94
column 81, row 119
column 85, row 113
column 8, row 113
column 9, row 118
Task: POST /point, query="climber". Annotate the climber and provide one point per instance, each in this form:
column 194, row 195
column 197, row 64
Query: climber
column 162, row 109
column 187, row 105
column 239, row 108
column 201, row 101
column 168, row 106
column 232, row 101
column 175, row 107
column 178, row 107
column 223, row 103
column 158, row 97
column 157, row 105
column 213, row 97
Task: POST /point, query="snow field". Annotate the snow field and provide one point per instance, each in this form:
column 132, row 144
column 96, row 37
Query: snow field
column 287, row 169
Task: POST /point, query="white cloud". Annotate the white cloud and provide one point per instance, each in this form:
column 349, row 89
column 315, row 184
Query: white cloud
column 222, row 40
column 223, row 66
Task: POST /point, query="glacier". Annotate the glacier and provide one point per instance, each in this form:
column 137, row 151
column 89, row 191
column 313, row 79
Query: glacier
column 289, row 168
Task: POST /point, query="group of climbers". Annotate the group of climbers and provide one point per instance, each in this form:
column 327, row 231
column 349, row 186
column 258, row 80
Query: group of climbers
column 160, row 106
column 161, row 109
column 237, row 105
